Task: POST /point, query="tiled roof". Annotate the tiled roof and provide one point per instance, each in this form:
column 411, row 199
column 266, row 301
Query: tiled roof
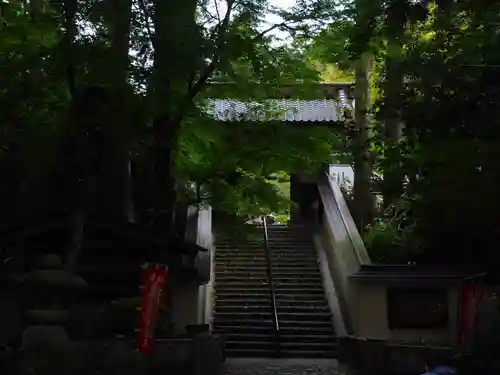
column 288, row 110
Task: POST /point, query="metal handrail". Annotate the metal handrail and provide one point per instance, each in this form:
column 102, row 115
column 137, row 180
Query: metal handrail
column 271, row 289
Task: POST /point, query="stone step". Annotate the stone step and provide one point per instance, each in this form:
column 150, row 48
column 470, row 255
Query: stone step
column 272, row 235
column 263, row 273
column 243, row 303
column 284, row 337
column 295, row 309
column 277, row 251
column 259, row 231
column 284, row 289
column 278, row 271
column 279, row 291
column 282, row 316
column 306, row 251
column 259, row 237
column 306, row 263
column 267, row 329
column 264, row 294
column 270, row 345
column 241, row 287
column 278, row 284
column 284, row 260
column 259, row 269
column 275, row 257
column 231, row 326
column 277, row 268
column 309, row 279
column 248, row 353
column 236, row 250
column 267, row 302
column 262, row 255
column 270, row 245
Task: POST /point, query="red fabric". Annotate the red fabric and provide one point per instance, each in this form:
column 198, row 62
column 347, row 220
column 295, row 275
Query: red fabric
column 153, row 281
column 470, row 297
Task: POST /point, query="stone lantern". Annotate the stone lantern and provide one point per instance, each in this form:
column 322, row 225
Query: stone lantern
column 49, row 290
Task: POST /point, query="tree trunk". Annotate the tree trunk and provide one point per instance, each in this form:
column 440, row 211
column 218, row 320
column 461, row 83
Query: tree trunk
column 129, row 204
column 120, row 12
column 78, row 225
column 393, row 91
column 175, row 28
column 111, row 155
column 35, row 9
column 78, row 219
column 363, row 204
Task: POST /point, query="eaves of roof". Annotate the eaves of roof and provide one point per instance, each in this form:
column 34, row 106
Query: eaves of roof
column 283, row 110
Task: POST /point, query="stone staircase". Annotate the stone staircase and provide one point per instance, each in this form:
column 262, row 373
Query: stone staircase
column 243, row 307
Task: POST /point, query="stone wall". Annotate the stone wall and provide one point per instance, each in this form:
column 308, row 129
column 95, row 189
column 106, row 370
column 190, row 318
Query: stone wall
column 372, row 317
column 363, row 356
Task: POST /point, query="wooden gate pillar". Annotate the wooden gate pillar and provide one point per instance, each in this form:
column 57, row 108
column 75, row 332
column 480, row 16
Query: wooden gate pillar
column 305, row 196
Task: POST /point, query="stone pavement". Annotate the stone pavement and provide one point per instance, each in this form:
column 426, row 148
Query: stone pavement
column 258, row 366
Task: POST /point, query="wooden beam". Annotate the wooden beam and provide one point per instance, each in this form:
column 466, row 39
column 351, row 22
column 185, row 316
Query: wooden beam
column 333, row 125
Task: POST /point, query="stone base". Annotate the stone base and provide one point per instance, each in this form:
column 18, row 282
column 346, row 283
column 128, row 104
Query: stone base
column 199, row 355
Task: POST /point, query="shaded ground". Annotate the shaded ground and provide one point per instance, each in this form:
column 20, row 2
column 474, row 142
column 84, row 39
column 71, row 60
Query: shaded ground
column 254, row 366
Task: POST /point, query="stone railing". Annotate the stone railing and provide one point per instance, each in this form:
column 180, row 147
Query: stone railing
column 398, row 303
column 342, row 253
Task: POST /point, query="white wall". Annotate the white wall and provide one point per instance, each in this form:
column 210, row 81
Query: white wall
column 342, row 173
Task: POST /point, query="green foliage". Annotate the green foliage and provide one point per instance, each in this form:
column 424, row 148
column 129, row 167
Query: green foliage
column 451, row 111
column 34, row 100
column 447, row 157
column 332, row 44
column 231, row 162
column 391, row 238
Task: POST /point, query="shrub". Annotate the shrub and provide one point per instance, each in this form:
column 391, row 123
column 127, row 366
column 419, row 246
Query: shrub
column 391, row 238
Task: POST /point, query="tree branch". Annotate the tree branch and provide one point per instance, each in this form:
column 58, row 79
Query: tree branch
column 216, row 60
column 217, row 10
column 70, row 7
column 195, row 88
column 272, row 56
column 212, row 67
column 273, row 27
